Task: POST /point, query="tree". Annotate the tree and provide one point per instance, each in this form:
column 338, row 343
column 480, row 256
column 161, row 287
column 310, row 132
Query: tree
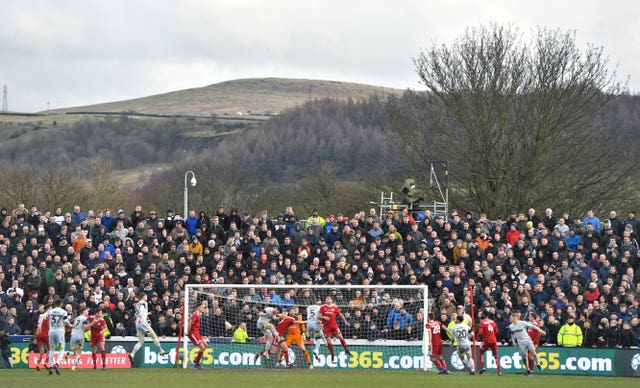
column 515, row 120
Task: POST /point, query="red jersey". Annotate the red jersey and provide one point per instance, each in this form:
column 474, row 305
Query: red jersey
column 43, row 325
column 194, row 327
column 283, row 325
column 434, row 327
column 534, row 334
column 488, row 331
column 97, row 330
column 332, row 313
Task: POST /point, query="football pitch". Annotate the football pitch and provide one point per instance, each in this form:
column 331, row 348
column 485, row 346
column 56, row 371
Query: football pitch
column 173, row 378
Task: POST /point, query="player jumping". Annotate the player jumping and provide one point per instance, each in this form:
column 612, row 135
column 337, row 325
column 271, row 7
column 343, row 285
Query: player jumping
column 294, row 335
column 329, row 313
column 267, row 329
column 281, row 328
column 315, row 328
column 143, row 329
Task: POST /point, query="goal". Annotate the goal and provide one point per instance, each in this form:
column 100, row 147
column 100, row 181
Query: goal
column 384, row 326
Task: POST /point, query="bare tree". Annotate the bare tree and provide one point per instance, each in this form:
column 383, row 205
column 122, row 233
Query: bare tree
column 515, row 120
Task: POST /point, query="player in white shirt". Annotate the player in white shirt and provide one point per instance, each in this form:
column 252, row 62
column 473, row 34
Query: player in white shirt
column 462, row 333
column 520, row 338
column 58, row 321
column 314, row 328
column 143, row 329
column 80, row 325
column 267, row 329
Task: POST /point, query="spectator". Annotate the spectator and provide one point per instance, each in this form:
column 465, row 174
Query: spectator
column 570, row 334
column 12, row 328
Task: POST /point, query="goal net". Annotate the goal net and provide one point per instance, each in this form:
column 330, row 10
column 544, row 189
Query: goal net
column 383, row 327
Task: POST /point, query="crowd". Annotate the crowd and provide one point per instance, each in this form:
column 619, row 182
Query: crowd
column 562, row 270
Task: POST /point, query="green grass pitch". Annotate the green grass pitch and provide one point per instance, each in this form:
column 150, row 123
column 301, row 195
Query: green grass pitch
column 173, row 378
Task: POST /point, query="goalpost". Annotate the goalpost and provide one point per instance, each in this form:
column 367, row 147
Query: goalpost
column 386, row 326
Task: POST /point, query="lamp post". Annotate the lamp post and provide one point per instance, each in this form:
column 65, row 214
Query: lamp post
column 186, row 191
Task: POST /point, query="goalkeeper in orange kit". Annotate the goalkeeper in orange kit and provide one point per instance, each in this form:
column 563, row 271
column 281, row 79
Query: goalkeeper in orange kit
column 294, row 335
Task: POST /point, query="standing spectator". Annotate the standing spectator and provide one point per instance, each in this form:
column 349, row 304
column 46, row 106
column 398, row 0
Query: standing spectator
column 593, row 220
column 570, row 334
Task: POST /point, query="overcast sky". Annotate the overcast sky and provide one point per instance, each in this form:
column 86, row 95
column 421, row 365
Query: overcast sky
column 83, row 52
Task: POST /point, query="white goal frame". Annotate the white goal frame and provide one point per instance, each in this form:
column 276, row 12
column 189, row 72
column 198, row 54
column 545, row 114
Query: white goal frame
column 326, row 288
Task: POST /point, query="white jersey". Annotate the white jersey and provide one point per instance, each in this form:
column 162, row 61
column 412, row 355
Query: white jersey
column 313, row 312
column 78, row 325
column 269, row 312
column 519, row 331
column 59, row 319
column 461, row 332
column 142, row 312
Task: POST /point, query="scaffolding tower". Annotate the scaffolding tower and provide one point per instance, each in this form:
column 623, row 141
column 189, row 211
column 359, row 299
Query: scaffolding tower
column 438, row 207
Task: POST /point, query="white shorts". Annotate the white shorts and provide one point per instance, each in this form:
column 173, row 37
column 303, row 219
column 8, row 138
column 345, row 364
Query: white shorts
column 265, row 326
column 56, row 340
column 524, row 346
column 463, row 349
column 144, row 329
column 313, row 327
column 77, row 341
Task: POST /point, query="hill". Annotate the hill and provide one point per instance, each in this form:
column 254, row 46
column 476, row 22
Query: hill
column 256, row 96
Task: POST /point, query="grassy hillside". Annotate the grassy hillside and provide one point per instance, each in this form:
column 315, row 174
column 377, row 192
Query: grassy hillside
column 254, row 96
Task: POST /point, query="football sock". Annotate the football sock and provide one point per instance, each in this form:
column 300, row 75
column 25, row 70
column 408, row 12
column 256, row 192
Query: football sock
column 198, row 357
column 135, row 349
column 330, row 345
column 157, row 342
column 306, row 356
column 267, row 346
column 104, row 358
column 344, row 344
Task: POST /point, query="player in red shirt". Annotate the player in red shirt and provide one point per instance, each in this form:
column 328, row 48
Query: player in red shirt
column 329, row 313
column 42, row 338
column 434, row 328
column 535, row 337
column 488, row 332
column 97, row 327
column 534, row 334
column 193, row 330
column 281, row 328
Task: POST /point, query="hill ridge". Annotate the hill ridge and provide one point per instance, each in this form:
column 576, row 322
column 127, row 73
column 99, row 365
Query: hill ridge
column 261, row 96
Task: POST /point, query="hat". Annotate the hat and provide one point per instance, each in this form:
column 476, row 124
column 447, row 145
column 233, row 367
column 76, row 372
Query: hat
column 413, row 277
column 154, row 294
column 137, row 268
column 254, row 263
column 356, row 253
column 460, row 306
column 120, row 211
column 305, row 272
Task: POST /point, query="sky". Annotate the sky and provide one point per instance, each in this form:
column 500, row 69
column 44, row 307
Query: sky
column 67, row 53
